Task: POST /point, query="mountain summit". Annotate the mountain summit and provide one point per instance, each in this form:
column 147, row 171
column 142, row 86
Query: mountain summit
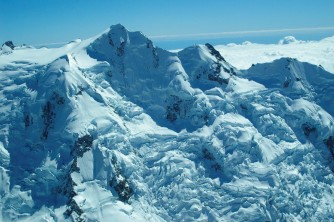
column 115, row 128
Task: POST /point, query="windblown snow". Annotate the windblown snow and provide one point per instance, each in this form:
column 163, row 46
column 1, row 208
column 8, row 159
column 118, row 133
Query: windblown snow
column 113, row 128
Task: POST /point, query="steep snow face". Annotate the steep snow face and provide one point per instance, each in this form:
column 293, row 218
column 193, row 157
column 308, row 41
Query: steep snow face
column 141, row 71
column 114, row 127
column 206, row 67
column 296, row 80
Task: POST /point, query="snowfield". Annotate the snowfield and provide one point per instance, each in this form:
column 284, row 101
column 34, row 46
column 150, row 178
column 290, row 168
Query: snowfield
column 113, row 128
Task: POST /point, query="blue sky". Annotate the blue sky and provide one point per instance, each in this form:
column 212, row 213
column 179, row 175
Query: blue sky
column 171, row 23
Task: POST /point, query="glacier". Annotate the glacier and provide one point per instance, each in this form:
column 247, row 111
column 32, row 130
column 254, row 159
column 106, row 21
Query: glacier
column 113, row 128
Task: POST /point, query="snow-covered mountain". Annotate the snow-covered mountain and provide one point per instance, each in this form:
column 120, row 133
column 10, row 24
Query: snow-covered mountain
column 113, row 128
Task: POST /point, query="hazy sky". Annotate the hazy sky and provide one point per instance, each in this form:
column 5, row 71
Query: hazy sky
column 51, row 21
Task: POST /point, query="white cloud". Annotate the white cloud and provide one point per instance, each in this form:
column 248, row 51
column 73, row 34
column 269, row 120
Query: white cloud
column 48, row 44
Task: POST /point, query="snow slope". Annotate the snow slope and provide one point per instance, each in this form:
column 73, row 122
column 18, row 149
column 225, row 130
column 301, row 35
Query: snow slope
column 296, row 79
column 315, row 52
column 114, row 128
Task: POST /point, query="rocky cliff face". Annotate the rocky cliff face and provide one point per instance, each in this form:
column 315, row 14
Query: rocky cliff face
column 114, row 127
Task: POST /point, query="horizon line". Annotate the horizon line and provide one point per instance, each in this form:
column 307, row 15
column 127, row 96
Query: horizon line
column 216, row 34
column 223, row 34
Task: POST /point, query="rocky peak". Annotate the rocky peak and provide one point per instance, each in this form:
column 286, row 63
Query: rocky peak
column 10, row 44
column 214, row 52
column 118, row 35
